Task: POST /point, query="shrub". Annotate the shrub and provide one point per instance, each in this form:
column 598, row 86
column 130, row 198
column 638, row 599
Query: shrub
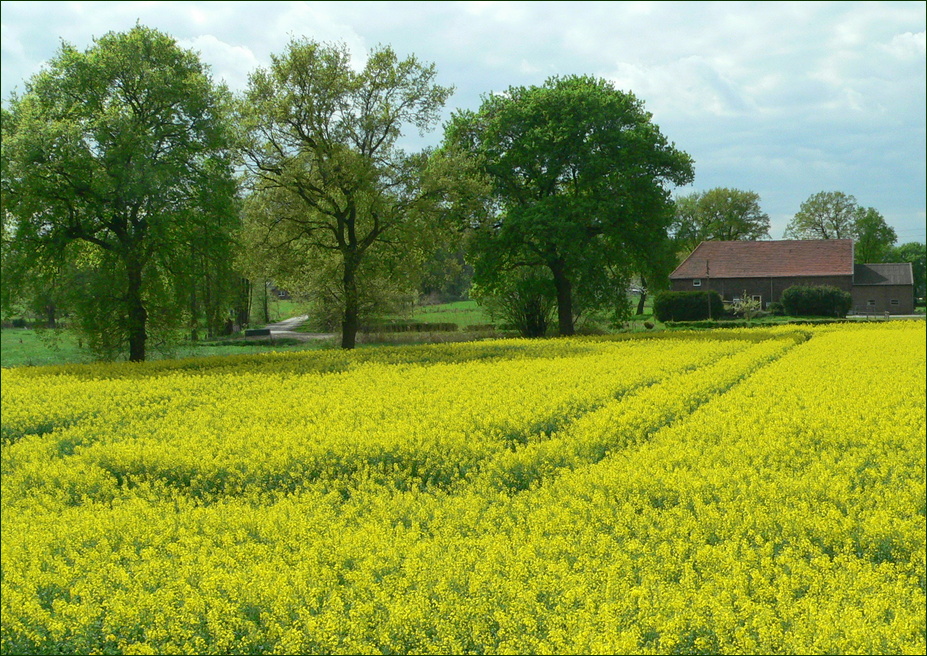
column 776, row 309
column 687, row 306
column 820, row 300
column 526, row 301
column 746, row 307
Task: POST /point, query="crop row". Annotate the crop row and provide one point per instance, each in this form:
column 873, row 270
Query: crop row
column 688, row 495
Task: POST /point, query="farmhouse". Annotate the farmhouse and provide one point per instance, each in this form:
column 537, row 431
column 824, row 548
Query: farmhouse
column 764, row 269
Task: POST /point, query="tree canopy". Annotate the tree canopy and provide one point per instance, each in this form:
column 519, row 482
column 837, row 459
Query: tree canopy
column 836, row 215
column 117, row 169
column 825, row 215
column 719, row 214
column 579, row 177
column 874, row 237
column 915, row 253
column 331, row 191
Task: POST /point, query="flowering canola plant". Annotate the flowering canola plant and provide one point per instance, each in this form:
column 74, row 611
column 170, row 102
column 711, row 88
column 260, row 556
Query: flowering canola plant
column 735, row 491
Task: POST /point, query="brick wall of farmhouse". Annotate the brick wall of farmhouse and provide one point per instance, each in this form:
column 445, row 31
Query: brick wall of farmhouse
column 768, row 289
column 878, row 299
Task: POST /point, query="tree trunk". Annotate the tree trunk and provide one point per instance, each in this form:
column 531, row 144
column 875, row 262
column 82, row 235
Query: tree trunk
column 266, row 306
column 194, row 301
column 564, row 297
column 194, row 314
column 138, row 315
column 643, row 298
column 350, row 321
column 208, row 302
column 243, row 304
column 50, row 315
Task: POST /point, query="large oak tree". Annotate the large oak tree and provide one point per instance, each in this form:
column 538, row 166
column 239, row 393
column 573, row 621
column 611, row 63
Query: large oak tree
column 581, row 179
column 117, row 168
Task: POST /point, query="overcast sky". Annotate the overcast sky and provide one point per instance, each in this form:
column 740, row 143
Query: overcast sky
column 784, row 99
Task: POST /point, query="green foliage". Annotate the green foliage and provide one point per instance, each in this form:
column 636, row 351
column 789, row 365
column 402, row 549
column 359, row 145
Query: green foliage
column 719, row 214
column 412, row 327
column 118, row 186
column 687, row 306
column 446, row 276
column 825, row 215
column 579, row 178
column 776, row 309
column 835, row 215
column 331, row 190
column 526, row 301
column 819, row 300
column 874, row 237
column 378, row 297
column 916, row 254
column 709, row 324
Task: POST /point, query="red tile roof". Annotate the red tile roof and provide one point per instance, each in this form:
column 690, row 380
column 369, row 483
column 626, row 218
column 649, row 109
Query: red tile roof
column 762, row 259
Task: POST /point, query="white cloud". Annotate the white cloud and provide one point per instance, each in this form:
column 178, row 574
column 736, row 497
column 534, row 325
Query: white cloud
column 908, row 46
column 502, row 12
column 690, row 86
column 12, row 45
column 528, row 68
column 785, row 98
column 319, row 23
column 228, row 62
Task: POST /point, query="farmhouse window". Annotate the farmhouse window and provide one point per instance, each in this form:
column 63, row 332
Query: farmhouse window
column 757, row 298
column 696, row 283
column 894, row 301
column 870, row 303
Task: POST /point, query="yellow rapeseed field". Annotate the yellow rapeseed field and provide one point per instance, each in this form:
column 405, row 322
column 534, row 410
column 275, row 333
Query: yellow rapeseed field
column 734, row 491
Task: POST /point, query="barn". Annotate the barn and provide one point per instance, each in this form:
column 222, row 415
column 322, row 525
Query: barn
column 764, row 269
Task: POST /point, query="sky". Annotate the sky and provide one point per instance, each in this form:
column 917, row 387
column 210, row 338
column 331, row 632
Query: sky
column 786, row 99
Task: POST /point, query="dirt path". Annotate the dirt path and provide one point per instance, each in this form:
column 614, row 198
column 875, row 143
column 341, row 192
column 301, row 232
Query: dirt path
column 287, row 328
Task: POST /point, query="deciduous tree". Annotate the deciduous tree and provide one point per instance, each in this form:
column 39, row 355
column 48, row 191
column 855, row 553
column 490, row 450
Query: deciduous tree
column 836, row 215
column 117, row 161
column 580, row 178
column 915, row 253
column 825, row 215
column 874, row 237
column 334, row 187
column 719, row 214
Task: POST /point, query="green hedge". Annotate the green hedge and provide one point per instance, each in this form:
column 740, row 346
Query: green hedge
column 687, row 306
column 816, row 301
column 706, row 323
column 411, row 327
